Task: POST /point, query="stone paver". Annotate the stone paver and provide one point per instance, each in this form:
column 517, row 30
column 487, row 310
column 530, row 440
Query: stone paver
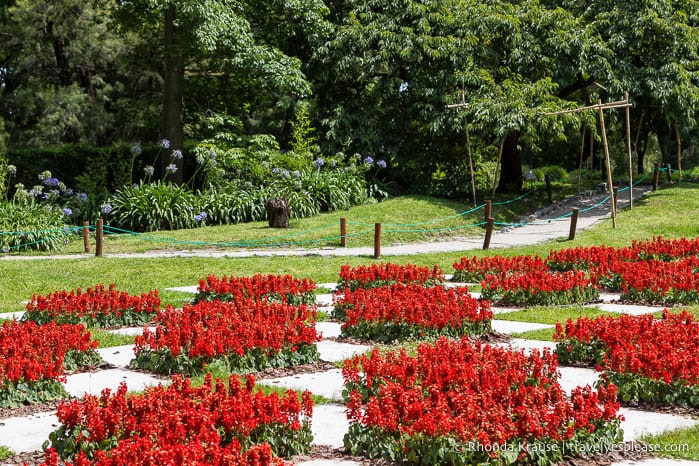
column 328, row 383
column 513, row 326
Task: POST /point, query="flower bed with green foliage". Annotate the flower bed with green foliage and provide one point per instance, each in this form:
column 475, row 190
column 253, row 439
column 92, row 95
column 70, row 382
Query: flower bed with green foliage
column 215, row 423
column 34, row 359
column 243, row 336
column 539, row 288
column 97, row 306
column 377, row 275
column 273, row 288
column 401, row 312
column 649, row 360
column 462, row 403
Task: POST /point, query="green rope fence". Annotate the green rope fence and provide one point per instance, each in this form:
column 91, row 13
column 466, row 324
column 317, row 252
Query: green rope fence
column 288, row 239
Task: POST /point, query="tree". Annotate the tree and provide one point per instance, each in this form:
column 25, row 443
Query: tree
column 390, row 70
column 214, row 38
column 57, row 72
column 654, row 48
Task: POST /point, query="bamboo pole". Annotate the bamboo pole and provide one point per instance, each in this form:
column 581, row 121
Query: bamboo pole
column 628, row 148
column 609, row 105
column 582, row 153
column 606, row 158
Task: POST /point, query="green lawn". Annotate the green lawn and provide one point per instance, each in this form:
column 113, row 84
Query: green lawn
column 668, row 213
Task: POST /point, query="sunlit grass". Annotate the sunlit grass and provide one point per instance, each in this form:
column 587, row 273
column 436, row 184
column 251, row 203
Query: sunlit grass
column 5, row 453
column 681, row 444
column 552, row 314
column 108, row 339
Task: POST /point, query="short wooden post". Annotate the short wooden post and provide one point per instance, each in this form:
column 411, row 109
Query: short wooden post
column 488, row 209
column 488, row 232
column 343, row 232
column 669, row 174
column 615, row 193
column 549, row 190
column 99, row 238
column 656, row 177
column 86, row 236
column 573, row 224
column 377, row 240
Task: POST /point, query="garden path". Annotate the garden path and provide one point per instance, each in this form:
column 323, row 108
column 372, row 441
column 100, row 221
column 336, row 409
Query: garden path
column 545, row 225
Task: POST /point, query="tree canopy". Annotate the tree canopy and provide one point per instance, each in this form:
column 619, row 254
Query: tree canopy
column 376, row 77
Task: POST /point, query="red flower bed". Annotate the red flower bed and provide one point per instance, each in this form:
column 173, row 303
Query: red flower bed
column 401, row 311
column 34, row 358
column 475, row 269
column 658, row 270
column 376, row 275
column 649, row 359
column 660, row 282
column 539, row 287
column 99, row 307
column 214, row 424
column 248, row 335
column 457, row 402
column 280, row 288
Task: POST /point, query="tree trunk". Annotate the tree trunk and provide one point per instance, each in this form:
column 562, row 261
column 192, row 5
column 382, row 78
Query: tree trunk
column 173, row 96
column 511, row 170
column 278, row 213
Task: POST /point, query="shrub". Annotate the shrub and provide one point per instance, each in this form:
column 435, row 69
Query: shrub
column 154, row 206
column 234, row 206
column 555, row 172
column 32, row 226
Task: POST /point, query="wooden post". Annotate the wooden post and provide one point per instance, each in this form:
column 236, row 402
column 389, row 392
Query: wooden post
column 343, row 232
column 488, row 209
column 608, row 165
column 488, row 233
column 573, row 224
column 669, row 173
column 99, row 238
column 628, row 148
column 656, row 177
column 549, row 191
column 86, row 236
column 615, row 196
column 377, row 240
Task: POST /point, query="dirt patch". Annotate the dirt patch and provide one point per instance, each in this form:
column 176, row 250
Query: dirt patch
column 28, row 410
column 274, row 372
